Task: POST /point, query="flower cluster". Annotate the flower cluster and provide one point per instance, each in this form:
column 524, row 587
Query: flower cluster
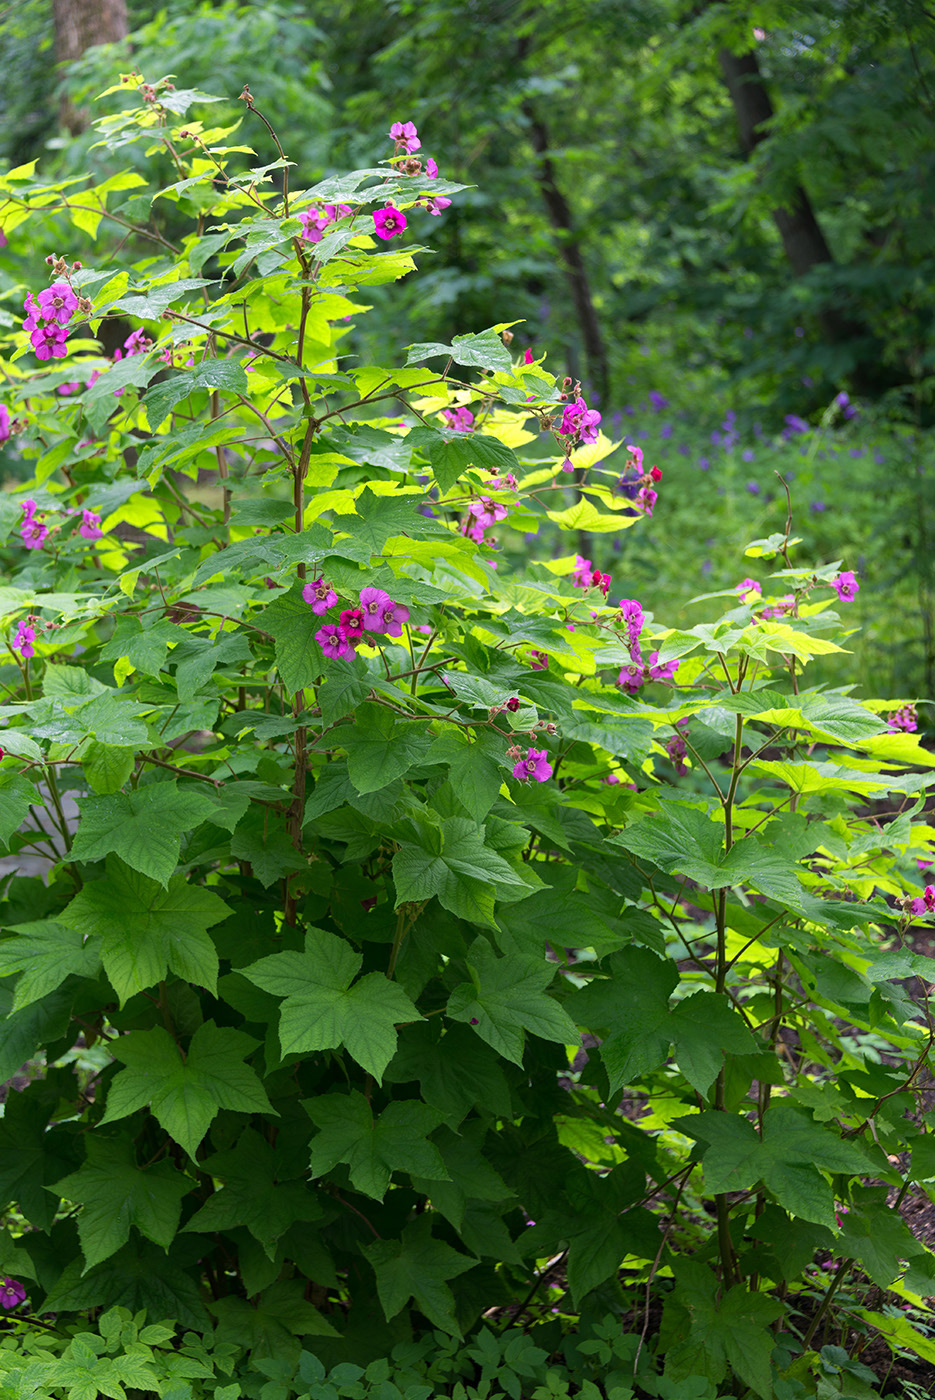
column 778, row 610
column 579, row 422
column 905, row 718
column 676, row 747
column 483, row 513
column 637, row 671
column 376, row 612
column 315, row 221
column 406, row 136
column 47, row 317
column 637, row 484
column 748, row 589
column 586, row 576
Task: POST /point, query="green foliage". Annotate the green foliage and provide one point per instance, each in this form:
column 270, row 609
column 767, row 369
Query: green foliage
column 383, row 992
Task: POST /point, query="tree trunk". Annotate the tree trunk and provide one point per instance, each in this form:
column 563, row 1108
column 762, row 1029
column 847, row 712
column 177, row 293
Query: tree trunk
column 563, row 225
column 79, row 25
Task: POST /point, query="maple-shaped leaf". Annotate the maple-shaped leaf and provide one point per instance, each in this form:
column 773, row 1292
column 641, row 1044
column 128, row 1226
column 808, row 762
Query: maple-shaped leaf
column 44, row 953
column 379, row 748
column 135, row 1278
column 145, row 930
column 321, row 1010
column 252, row 1194
column 372, row 1147
column 115, row 1194
column 185, row 1094
column 789, row 1159
column 506, row 997
column 144, row 828
column 417, row 1266
column 455, row 863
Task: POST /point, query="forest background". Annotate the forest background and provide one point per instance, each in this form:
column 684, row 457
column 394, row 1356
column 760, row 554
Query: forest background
column 717, row 216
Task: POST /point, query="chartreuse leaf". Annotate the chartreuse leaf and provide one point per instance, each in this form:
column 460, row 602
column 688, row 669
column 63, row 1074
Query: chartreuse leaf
column 789, row 1159
column 185, row 1094
column 506, row 997
column 145, row 930
column 144, row 827
column 418, row 1266
column 253, row 1195
column 899, row 1333
column 374, row 1147
column 45, row 953
column 115, row 1194
column 453, row 862
column 321, row 1010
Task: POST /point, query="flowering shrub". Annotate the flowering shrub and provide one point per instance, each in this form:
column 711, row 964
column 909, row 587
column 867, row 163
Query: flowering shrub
column 370, row 833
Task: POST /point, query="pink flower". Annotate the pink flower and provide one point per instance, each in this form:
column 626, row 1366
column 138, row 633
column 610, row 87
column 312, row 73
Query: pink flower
column 677, row 750
column 655, row 473
column 580, row 421
column 785, row 605
column 11, row 1294
column 373, row 604
column 5, row 421
column 583, row 570
column 23, row 641
column 436, row 205
column 70, row 388
column 49, row 342
column 632, row 676
column 568, row 465
column 314, row 221
column 388, row 222
column 538, row 660
column 332, row 641
column 846, row 587
column 33, row 532
column 747, row 589
column 646, row 498
column 431, row 169
column 633, row 617
column 665, row 672
column 487, row 512
column 405, row 136
column 636, row 457
column 460, row 419
column 57, row 303
column 534, row 765
column 906, row 718
column 393, row 618
column 137, row 343
column 351, row 624
column 917, row 908
column 320, row 594
column 90, row 527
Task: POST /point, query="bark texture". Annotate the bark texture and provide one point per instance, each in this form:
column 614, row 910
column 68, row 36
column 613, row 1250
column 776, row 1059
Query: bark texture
column 79, row 25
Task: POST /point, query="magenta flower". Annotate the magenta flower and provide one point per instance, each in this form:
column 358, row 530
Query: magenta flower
column 49, row 342
column 431, row 169
column 535, row 765
column 748, row 589
column 474, row 531
column 646, row 498
column 406, row 136
column 665, row 672
column 580, row 421
column 487, row 512
column 538, row 661
column 393, row 618
column 676, row 747
column 373, row 604
column 636, row 457
column 568, row 465
column 632, row 676
column 314, row 221
column 332, row 641
column 11, row 1294
column 583, row 570
column 351, row 624
column 906, row 719
column 633, row 616
column 527, row 355
column 388, row 222
column 57, row 303
column 33, row 532
column 784, row 606
column 5, row 422
column 23, row 641
column 846, row 587
column 460, row 419
column 436, row 205
column 320, row 594
column 90, row 527
column 137, row 343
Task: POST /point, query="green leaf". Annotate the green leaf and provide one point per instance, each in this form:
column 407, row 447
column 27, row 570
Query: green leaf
column 678, row 837
column 145, row 930
column 451, row 454
column 789, row 1159
column 506, row 997
column 899, row 1333
column 454, row 863
column 379, row 747
column 261, row 838
column 380, row 518
column 291, row 623
column 106, row 766
column 185, row 1094
column 417, row 1266
column 321, row 1010
column 876, row 1236
column 228, row 375
column 30, row 1157
column 145, row 647
column 139, row 1279
column 476, row 768
column 31, row 1029
column 16, row 795
column 143, row 827
column 373, row 1148
column 483, row 350
column 45, row 953
column 116, row 1194
column 253, row 1194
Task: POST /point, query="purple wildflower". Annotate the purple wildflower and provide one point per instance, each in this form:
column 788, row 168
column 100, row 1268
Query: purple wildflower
column 663, row 672
column 460, row 419
column 388, row 222
column 406, row 136
column 846, row 586
column 373, row 604
column 535, row 765
column 320, row 594
column 23, row 641
column 580, row 421
column 11, row 1294
column 332, row 641
column 90, row 527
column 487, row 511
column 393, row 618
column 57, row 303
column 5, row 421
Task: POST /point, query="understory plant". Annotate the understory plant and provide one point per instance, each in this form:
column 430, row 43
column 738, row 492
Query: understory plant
column 419, row 950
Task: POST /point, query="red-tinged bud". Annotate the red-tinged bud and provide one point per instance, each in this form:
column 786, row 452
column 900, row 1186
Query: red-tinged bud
column 656, row 473
column 512, row 704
